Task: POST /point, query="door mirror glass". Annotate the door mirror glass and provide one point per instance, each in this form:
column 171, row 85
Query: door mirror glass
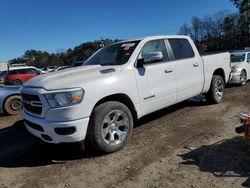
column 152, row 57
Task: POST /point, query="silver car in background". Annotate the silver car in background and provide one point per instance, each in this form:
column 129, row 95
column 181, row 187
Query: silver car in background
column 240, row 62
column 10, row 100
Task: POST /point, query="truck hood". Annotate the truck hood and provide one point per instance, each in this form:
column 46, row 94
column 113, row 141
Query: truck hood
column 72, row 77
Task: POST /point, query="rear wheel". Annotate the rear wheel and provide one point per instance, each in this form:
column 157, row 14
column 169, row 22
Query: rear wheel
column 216, row 91
column 243, row 78
column 17, row 82
column 13, row 105
column 110, row 127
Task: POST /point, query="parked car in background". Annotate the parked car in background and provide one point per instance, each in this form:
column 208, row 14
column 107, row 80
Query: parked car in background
column 240, row 62
column 62, row 68
column 10, row 100
column 101, row 100
column 3, row 76
column 19, row 75
column 49, row 68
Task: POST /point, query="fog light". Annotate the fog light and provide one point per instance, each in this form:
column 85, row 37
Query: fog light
column 46, row 137
column 65, row 131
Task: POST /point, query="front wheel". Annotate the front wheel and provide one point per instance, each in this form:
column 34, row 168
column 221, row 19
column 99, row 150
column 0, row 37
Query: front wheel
column 110, row 127
column 243, row 78
column 216, row 91
column 13, row 105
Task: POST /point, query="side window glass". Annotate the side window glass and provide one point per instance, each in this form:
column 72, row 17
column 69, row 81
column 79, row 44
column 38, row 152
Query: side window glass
column 32, row 71
column 36, row 71
column 13, row 72
column 181, row 48
column 248, row 57
column 155, row 46
column 22, row 71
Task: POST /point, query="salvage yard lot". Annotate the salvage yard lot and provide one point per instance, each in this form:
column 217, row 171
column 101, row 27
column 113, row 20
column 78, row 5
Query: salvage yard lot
column 191, row 144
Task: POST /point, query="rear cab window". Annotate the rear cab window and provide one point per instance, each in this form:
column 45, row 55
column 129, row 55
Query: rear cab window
column 181, row 48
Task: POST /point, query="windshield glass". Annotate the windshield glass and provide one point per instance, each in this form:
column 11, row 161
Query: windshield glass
column 239, row 57
column 115, row 54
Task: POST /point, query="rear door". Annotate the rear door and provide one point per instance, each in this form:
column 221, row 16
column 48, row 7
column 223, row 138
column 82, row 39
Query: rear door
column 189, row 69
column 12, row 76
column 27, row 74
column 156, row 81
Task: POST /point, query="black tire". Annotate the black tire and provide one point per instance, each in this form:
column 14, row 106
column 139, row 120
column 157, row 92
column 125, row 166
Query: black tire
column 17, row 82
column 243, row 78
column 101, row 130
column 13, row 105
column 215, row 95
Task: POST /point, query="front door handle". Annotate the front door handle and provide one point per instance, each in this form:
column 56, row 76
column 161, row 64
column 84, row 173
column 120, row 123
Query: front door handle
column 169, row 70
column 196, row 65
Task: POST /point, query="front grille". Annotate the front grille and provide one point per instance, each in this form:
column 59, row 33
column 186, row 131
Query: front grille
column 32, row 103
column 33, row 125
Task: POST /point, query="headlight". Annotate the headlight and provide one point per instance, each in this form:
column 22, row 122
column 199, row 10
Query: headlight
column 62, row 99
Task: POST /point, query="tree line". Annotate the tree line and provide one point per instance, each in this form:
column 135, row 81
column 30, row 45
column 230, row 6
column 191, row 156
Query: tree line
column 221, row 31
column 60, row 58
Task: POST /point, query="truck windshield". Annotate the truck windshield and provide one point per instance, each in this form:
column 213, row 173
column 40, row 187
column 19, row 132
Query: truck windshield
column 239, row 57
column 115, row 54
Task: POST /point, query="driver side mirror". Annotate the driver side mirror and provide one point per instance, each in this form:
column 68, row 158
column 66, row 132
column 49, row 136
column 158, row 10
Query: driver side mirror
column 151, row 57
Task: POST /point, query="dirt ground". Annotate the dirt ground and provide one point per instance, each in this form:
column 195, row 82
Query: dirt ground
column 191, row 144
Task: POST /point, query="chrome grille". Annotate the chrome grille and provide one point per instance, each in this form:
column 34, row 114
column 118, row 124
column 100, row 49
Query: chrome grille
column 32, row 103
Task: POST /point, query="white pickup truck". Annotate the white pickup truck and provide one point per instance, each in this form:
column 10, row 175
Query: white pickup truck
column 101, row 100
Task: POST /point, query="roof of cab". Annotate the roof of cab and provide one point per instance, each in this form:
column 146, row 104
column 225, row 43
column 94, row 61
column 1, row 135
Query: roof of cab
column 156, row 37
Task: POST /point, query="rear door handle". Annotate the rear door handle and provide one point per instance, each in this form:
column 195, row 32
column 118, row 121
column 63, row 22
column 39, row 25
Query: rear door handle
column 169, row 70
column 196, row 65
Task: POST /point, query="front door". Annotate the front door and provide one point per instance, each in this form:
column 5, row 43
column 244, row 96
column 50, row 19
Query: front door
column 156, row 80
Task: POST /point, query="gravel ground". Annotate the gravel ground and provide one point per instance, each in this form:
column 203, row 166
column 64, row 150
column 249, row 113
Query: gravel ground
column 191, row 144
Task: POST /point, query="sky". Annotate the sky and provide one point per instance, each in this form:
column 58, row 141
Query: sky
column 52, row 25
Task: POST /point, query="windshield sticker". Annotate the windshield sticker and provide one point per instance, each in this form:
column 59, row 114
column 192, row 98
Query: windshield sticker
column 127, row 46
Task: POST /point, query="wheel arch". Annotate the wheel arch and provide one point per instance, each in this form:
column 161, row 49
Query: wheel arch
column 220, row 72
column 18, row 80
column 244, row 70
column 122, row 98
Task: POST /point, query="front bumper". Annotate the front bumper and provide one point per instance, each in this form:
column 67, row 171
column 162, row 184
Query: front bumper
column 48, row 129
column 234, row 78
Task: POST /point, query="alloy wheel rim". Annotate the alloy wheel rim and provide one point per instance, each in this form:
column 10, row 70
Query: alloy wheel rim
column 243, row 78
column 115, row 127
column 15, row 105
column 219, row 89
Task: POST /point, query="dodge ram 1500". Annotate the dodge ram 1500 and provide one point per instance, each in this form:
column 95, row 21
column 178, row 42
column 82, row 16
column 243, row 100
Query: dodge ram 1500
column 101, row 100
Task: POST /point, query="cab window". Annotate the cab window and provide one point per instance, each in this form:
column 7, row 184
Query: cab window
column 181, row 48
column 155, row 46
